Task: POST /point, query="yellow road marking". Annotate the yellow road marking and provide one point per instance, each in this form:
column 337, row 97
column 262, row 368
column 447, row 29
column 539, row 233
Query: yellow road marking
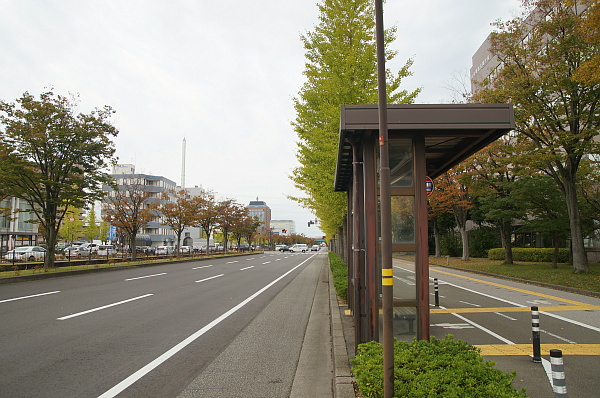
column 514, row 288
column 527, row 349
column 512, row 309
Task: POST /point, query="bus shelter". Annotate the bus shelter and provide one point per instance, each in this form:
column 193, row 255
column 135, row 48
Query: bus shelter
column 424, row 140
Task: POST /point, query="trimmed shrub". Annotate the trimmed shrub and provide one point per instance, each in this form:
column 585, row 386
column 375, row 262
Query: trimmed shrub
column 533, row 254
column 436, row 368
column 339, row 269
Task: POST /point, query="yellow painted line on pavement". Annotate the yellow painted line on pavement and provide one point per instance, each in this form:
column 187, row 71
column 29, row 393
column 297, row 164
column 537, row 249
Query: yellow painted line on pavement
column 513, row 288
column 512, row 309
column 527, row 349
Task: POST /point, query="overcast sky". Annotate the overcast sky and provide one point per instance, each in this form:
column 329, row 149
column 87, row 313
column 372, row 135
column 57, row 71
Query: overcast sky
column 220, row 74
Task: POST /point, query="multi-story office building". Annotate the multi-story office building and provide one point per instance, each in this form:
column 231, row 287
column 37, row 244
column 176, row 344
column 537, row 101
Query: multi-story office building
column 258, row 208
column 155, row 233
column 17, row 224
column 283, row 227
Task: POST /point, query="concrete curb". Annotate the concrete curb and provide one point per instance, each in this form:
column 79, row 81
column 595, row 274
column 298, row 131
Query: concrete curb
column 342, row 376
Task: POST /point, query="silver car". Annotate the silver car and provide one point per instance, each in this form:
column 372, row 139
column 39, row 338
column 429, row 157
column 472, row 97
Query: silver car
column 31, row 253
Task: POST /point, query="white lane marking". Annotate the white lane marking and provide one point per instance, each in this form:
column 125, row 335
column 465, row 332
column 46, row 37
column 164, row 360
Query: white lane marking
column 147, row 276
column 278, row 259
column 231, row 262
column 562, row 318
column 505, row 316
column 114, row 391
column 212, row 277
column 410, row 283
column 548, row 368
column 31, row 296
column 267, row 262
column 103, row 307
column 249, row 259
column 467, row 303
column 478, row 326
column 203, row 266
column 558, row 337
column 242, row 269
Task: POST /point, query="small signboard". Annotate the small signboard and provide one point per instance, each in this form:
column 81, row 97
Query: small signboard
column 429, row 187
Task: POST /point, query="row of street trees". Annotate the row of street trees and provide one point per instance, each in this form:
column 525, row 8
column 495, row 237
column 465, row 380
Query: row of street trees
column 54, row 159
column 131, row 207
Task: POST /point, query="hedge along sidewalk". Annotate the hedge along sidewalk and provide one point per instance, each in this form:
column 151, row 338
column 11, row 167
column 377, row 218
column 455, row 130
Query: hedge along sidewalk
column 440, row 368
column 95, row 268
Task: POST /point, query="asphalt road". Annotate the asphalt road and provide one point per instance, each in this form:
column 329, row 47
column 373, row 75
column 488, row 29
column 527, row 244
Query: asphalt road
column 144, row 332
column 495, row 315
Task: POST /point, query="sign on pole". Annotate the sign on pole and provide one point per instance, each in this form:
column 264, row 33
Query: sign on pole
column 429, row 187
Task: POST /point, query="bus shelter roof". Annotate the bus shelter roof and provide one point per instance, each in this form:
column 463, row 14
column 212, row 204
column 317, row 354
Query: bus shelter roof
column 452, row 132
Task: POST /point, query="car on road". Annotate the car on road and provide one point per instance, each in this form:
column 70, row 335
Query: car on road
column 284, row 248
column 26, row 253
column 315, row 248
column 106, row 250
column 299, row 247
column 165, row 250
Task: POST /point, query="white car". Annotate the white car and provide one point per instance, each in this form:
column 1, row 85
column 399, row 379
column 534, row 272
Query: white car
column 106, row 250
column 185, row 249
column 299, row 247
column 31, row 253
column 164, row 250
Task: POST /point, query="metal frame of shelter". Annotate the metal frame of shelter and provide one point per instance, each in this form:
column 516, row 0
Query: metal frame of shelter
column 424, row 140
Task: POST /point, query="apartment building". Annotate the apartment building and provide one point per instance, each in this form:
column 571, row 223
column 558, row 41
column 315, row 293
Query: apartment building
column 155, row 233
column 18, row 226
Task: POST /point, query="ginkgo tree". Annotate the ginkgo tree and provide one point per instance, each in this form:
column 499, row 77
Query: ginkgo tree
column 340, row 69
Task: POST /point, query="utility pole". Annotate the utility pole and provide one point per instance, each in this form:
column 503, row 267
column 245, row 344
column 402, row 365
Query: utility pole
column 387, row 280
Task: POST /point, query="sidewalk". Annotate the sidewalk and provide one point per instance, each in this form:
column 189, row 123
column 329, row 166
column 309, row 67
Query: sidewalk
column 294, row 348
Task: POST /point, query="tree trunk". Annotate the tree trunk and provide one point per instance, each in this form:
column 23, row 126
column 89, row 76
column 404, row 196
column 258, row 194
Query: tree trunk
column 505, row 235
column 465, row 243
column 580, row 263
column 436, row 238
column 50, row 244
column 132, row 247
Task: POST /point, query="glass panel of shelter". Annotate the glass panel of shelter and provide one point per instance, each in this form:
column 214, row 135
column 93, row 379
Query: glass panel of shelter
column 401, row 162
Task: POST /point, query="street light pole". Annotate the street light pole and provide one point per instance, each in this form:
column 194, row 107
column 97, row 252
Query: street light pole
column 387, row 280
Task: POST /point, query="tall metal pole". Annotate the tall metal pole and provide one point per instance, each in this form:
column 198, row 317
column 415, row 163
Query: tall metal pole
column 387, row 280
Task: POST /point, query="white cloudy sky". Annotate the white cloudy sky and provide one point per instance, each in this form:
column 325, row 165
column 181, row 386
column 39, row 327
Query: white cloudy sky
column 220, row 74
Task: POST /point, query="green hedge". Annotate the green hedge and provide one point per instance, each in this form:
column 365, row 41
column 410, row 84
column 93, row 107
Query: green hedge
column 541, row 255
column 438, row 368
column 339, row 269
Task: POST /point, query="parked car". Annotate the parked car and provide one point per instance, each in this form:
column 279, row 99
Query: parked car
column 244, row 247
column 80, row 251
column 279, row 247
column 24, row 253
column 106, row 250
column 299, row 247
column 315, row 248
column 89, row 248
column 69, row 250
column 164, row 250
column 284, row 248
column 185, row 250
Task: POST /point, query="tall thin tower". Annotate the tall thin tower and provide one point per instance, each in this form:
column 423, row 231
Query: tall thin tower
column 183, row 164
